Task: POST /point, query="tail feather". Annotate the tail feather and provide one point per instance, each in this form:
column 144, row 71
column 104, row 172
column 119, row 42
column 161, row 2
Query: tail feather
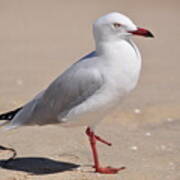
column 9, row 115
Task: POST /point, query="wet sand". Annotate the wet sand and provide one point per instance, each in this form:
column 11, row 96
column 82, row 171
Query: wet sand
column 39, row 40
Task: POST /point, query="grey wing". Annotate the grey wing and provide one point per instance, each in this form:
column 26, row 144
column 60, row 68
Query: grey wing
column 73, row 88
column 70, row 89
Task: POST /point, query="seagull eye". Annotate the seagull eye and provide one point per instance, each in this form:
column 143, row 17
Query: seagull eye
column 117, row 25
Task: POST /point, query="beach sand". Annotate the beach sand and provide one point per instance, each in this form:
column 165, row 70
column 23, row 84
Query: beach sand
column 39, row 40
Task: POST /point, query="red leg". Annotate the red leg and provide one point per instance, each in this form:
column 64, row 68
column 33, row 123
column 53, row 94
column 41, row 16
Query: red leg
column 89, row 132
column 92, row 139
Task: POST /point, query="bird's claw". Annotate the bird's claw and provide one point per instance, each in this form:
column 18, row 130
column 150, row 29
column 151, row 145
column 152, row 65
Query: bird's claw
column 108, row 170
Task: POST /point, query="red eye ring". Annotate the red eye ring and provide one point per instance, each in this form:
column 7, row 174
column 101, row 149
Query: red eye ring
column 117, row 25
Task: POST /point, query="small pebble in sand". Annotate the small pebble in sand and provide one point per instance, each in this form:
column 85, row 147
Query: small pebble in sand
column 163, row 147
column 137, row 111
column 19, row 82
column 134, row 148
column 79, row 169
column 148, row 134
column 170, row 119
column 171, row 165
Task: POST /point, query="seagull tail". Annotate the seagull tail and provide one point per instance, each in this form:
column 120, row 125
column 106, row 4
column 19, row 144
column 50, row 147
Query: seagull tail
column 9, row 115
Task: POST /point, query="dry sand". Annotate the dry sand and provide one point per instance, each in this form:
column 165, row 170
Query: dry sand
column 39, row 39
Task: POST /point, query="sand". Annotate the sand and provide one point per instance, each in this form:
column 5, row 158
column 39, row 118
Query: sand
column 39, row 40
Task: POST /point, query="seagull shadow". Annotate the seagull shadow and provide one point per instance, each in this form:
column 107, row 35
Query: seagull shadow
column 37, row 165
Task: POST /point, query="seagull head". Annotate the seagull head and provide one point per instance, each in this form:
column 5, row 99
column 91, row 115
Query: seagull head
column 114, row 26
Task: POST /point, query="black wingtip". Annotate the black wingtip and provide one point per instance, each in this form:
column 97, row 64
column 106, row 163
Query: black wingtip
column 9, row 115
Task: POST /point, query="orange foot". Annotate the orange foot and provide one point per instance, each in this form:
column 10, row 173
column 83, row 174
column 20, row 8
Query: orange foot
column 109, row 170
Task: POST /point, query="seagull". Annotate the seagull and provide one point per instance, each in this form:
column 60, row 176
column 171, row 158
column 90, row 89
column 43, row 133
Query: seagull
column 90, row 88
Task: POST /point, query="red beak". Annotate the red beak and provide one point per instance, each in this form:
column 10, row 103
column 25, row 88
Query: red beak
column 142, row 32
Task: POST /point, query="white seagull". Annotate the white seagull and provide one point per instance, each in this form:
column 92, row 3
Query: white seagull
column 90, row 88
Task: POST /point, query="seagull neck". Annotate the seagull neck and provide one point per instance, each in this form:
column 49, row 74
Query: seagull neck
column 111, row 47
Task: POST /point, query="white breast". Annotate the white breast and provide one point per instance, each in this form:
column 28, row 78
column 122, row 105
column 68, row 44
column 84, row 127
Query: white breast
column 122, row 67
